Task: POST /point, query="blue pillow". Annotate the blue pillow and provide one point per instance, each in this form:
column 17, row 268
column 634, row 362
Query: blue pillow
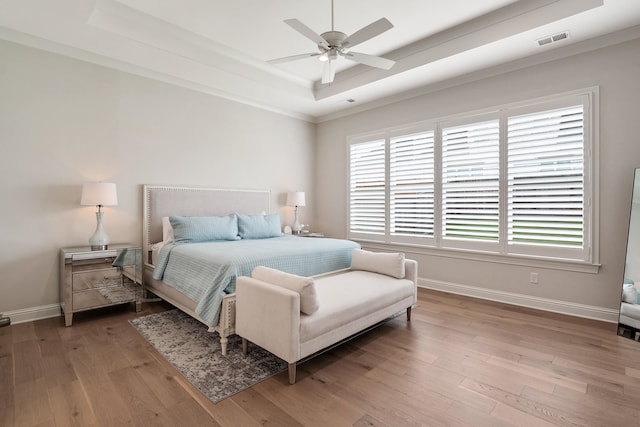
column 259, row 226
column 188, row 229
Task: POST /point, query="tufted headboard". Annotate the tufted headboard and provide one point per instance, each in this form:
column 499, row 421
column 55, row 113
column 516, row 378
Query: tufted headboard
column 162, row 200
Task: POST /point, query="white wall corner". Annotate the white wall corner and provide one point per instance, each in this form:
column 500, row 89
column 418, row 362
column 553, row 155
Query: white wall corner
column 544, row 304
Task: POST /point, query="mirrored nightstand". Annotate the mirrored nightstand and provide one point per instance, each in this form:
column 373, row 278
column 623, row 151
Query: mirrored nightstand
column 93, row 279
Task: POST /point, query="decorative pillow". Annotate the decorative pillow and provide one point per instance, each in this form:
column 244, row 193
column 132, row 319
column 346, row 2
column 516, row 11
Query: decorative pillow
column 167, row 231
column 629, row 293
column 258, row 226
column 391, row 264
column 204, row 228
column 305, row 286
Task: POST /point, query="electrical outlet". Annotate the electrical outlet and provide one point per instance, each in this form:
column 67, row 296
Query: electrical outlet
column 533, row 278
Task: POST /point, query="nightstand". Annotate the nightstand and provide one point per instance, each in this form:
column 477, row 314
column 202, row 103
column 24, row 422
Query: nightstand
column 93, row 279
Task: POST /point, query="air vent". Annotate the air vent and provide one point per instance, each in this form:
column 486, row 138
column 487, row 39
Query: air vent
column 560, row 36
column 545, row 41
column 554, row 38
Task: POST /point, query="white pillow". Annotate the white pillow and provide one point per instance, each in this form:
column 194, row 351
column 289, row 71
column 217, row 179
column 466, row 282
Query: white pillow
column 629, row 293
column 305, row 286
column 391, row 264
column 167, row 231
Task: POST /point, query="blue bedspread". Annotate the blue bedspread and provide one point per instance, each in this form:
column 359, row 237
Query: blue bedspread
column 205, row 271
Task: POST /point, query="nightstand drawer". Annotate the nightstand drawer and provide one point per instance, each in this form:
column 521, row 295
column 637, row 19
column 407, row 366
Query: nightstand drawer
column 103, row 297
column 87, row 300
column 91, row 279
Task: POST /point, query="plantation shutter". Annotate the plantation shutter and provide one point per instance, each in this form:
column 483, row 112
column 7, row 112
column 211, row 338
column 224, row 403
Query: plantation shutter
column 411, row 174
column 546, row 178
column 367, row 187
column 470, row 181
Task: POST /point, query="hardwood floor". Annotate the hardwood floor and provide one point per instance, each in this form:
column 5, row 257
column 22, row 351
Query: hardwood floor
column 459, row 362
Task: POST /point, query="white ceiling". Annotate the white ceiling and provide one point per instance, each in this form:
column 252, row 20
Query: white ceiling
column 221, row 47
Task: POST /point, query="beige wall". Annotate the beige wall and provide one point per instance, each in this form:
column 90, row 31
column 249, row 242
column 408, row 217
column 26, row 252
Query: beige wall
column 64, row 122
column 616, row 71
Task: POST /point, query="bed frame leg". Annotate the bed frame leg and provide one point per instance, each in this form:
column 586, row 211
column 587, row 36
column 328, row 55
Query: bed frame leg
column 292, row 373
column 408, row 314
column 245, row 346
column 223, row 345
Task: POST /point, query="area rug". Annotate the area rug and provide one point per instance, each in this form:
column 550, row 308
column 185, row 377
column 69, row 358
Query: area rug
column 195, row 353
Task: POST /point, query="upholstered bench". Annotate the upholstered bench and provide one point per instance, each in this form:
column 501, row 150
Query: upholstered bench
column 294, row 317
column 630, row 309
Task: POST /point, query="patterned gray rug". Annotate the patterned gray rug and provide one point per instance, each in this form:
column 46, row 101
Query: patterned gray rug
column 195, row 352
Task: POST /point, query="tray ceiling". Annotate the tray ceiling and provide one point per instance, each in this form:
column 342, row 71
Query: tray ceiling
column 222, row 47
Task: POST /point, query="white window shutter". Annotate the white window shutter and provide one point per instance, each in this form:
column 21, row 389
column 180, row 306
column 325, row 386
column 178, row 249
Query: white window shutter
column 367, row 188
column 546, row 178
column 411, row 183
column 471, row 181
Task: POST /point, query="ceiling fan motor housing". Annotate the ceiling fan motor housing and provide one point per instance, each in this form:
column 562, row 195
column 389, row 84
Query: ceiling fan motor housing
column 334, row 39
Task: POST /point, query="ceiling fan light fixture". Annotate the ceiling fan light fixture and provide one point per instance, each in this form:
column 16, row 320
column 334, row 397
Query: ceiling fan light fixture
column 324, row 57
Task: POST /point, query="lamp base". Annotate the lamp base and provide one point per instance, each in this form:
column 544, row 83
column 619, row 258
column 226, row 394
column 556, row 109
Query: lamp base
column 296, row 227
column 100, row 240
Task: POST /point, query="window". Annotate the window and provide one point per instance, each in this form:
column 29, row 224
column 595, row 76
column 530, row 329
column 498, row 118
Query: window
column 516, row 181
column 367, row 190
column 471, row 181
column 546, row 178
column 411, row 189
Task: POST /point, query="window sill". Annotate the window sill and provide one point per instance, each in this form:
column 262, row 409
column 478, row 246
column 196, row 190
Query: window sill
column 525, row 261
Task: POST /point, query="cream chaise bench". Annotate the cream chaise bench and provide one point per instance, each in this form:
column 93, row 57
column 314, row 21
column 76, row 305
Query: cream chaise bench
column 294, row 317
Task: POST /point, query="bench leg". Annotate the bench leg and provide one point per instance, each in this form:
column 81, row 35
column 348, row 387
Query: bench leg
column 292, row 373
column 408, row 314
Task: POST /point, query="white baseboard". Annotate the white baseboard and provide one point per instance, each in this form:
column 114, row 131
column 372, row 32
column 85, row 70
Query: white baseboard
column 33, row 313
column 555, row 306
column 545, row 304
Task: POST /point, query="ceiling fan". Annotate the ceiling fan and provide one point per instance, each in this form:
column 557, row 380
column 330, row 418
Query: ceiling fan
column 332, row 44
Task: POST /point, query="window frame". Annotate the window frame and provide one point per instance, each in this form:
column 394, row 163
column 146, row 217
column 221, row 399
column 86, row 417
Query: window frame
column 585, row 258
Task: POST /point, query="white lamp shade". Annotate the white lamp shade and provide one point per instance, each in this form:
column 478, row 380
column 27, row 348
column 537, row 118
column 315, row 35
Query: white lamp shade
column 295, row 198
column 99, row 194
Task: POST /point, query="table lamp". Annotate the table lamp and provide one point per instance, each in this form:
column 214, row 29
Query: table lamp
column 296, row 198
column 99, row 194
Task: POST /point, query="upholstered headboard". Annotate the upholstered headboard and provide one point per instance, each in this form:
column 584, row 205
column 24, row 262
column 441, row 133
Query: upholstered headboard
column 161, row 200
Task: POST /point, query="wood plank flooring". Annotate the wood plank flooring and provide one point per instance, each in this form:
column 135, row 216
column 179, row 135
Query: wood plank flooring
column 459, row 362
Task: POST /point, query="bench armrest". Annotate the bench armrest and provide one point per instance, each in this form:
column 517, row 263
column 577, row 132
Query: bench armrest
column 269, row 316
column 411, row 273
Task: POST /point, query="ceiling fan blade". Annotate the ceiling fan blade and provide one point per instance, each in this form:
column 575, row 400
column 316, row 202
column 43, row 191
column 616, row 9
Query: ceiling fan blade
column 328, row 72
column 307, row 32
column 368, row 32
column 370, row 60
column 292, row 58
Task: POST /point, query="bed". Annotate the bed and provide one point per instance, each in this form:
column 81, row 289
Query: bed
column 183, row 274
